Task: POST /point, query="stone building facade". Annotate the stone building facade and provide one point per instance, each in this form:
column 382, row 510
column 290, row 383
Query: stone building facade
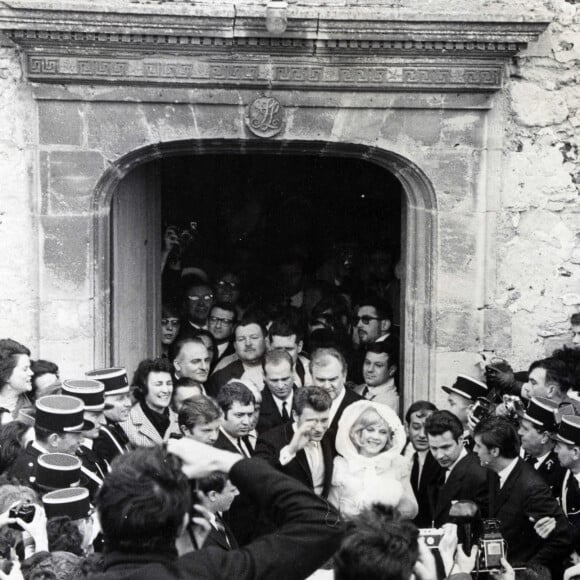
column 474, row 107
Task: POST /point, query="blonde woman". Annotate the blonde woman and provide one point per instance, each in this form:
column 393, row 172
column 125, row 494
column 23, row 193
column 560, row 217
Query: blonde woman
column 370, row 468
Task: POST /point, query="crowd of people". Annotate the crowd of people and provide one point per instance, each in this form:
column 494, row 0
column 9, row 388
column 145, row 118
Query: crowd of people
column 266, row 442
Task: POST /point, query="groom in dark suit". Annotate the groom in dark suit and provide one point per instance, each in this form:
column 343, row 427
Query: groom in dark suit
column 299, row 449
column 519, row 497
column 462, row 477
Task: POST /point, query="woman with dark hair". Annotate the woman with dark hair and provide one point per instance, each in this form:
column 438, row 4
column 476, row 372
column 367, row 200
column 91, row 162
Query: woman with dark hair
column 45, row 378
column 151, row 421
column 15, row 379
column 13, row 437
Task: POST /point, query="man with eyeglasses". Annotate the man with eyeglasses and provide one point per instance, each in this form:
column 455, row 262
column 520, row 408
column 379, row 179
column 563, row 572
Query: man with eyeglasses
column 371, row 324
column 250, row 345
column 198, row 300
column 221, row 321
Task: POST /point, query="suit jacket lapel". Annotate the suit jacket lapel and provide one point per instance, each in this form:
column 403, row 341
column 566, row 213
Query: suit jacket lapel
column 502, row 495
column 450, row 487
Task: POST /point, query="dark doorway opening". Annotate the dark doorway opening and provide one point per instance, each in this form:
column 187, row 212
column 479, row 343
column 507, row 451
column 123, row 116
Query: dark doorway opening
column 252, row 211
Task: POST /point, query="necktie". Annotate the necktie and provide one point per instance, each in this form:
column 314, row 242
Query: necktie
column 415, row 472
column 219, row 526
column 285, row 416
column 243, row 448
column 365, row 392
column 531, row 460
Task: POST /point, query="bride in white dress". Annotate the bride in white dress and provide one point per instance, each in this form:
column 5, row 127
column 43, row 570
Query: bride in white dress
column 370, row 468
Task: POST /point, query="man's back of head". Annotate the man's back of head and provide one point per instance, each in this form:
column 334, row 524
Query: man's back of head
column 143, row 502
column 377, row 546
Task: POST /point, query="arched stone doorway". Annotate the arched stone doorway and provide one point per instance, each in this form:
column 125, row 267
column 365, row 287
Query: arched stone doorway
column 126, row 338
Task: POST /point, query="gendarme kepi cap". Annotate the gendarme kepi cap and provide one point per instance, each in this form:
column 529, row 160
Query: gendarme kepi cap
column 115, row 380
column 57, row 471
column 89, row 391
column 62, row 414
column 569, row 430
column 542, row 413
column 467, row 387
column 72, row 502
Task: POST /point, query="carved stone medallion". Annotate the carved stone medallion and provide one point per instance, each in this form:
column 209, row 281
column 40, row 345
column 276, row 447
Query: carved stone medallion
column 265, row 117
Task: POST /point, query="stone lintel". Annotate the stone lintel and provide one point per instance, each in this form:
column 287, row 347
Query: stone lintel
column 396, row 75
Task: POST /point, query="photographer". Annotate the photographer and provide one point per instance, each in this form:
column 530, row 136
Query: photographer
column 519, row 497
column 151, row 485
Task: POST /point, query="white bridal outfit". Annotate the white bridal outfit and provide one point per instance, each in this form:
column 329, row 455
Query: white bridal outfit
column 359, row 481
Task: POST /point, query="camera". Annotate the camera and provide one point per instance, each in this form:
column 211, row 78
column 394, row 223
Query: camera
column 492, row 546
column 513, row 405
column 24, row 511
column 481, row 409
column 432, row 536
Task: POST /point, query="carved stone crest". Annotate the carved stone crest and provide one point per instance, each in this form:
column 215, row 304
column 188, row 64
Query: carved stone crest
column 265, row 117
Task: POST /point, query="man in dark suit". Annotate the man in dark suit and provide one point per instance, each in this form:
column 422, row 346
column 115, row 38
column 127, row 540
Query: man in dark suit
column 308, row 530
column 537, row 425
column 221, row 321
column 299, row 449
column 462, row 477
column 426, row 471
column 518, row 497
column 237, row 403
column 328, row 368
column 215, row 493
column 278, row 392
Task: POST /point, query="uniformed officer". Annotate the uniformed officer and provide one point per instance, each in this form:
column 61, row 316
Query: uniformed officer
column 112, row 440
column 537, row 425
column 568, row 450
column 58, row 427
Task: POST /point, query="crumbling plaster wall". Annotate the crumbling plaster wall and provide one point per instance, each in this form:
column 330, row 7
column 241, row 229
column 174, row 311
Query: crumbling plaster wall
column 538, row 230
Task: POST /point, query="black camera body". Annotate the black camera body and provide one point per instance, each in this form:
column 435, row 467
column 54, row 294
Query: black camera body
column 482, row 408
column 492, row 546
column 24, row 511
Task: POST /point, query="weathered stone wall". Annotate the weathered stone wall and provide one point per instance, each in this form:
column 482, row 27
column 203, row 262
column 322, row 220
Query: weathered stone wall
column 19, row 272
column 538, row 229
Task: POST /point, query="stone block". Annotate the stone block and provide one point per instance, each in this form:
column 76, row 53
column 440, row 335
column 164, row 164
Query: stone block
column 74, row 357
column 536, row 107
column 300, row 124
column 65, row 256
column 463, row 129
column 458, row 330
column 65, row 320
column 497, row 330
column 457, row 241
column 72, row 176
column 60, row 123
column 415, row 128
column 117, row 128
column 218, row 121
column 171, row 122
column 19, row 316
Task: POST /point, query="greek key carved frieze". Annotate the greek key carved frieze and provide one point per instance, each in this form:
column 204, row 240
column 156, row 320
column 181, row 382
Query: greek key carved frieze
column 199, row 72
